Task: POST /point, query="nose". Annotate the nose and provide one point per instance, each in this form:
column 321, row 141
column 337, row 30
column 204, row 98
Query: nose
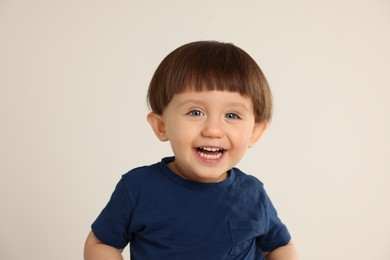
column 212, row 129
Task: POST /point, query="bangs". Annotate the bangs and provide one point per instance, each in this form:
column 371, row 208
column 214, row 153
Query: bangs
column 213, row 68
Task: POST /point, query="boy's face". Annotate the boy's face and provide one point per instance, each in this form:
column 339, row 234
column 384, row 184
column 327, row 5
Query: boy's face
column 209, row 132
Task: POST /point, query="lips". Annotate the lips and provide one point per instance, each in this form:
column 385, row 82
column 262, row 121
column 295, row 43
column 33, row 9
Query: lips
column 212, row 153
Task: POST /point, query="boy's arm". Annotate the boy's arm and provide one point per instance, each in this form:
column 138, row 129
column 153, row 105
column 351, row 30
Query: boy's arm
column 287, row 252
column 94, row 249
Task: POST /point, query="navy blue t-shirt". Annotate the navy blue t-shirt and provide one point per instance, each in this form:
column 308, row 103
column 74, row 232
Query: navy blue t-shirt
column 165, row 216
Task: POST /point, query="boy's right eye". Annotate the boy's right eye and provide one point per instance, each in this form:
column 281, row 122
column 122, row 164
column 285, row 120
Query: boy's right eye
column 195, row 112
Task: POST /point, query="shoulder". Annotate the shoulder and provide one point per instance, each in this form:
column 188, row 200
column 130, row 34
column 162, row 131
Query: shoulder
column 138, row 181
column 142, row 177
column 142, row 174
column 247, row 179
column 247, row 182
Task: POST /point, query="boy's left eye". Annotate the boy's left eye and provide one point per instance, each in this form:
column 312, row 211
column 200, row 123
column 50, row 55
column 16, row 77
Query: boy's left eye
column 232, row 116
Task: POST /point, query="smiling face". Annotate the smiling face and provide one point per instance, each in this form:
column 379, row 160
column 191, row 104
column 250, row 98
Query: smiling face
column 209, row 132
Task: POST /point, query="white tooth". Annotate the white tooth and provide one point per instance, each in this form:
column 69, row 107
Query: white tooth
column 211, row 149
column 209, row 156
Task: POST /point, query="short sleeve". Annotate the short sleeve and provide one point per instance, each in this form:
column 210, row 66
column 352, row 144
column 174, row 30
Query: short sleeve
column 113, row 224
column 277, row 234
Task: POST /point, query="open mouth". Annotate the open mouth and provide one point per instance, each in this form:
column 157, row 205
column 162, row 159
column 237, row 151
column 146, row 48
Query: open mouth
column 210, row 152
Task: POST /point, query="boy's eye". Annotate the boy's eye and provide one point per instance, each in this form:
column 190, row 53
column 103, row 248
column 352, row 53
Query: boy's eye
column 232, row 116
column 196, row 113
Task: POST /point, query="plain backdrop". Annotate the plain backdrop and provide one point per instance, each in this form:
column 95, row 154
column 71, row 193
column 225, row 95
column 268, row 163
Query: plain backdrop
column 73, row 81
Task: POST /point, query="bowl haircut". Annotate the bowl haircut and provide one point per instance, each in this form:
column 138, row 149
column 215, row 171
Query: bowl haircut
column 207, row 66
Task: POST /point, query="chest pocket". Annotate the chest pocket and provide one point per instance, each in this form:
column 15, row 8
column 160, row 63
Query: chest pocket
column 243, row 234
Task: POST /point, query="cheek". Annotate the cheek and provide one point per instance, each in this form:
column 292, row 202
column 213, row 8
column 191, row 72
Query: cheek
column 241, row 138
column 180, row 135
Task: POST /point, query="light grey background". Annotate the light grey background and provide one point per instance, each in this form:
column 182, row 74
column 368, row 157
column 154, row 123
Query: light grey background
column 73, row 80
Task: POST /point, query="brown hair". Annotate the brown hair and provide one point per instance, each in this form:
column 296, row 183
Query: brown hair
column 210, row 65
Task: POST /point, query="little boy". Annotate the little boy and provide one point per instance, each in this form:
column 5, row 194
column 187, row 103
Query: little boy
column 211, row 101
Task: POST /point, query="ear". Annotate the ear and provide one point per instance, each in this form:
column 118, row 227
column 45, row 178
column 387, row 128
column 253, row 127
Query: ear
column 158, row 126
column 257, row 132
